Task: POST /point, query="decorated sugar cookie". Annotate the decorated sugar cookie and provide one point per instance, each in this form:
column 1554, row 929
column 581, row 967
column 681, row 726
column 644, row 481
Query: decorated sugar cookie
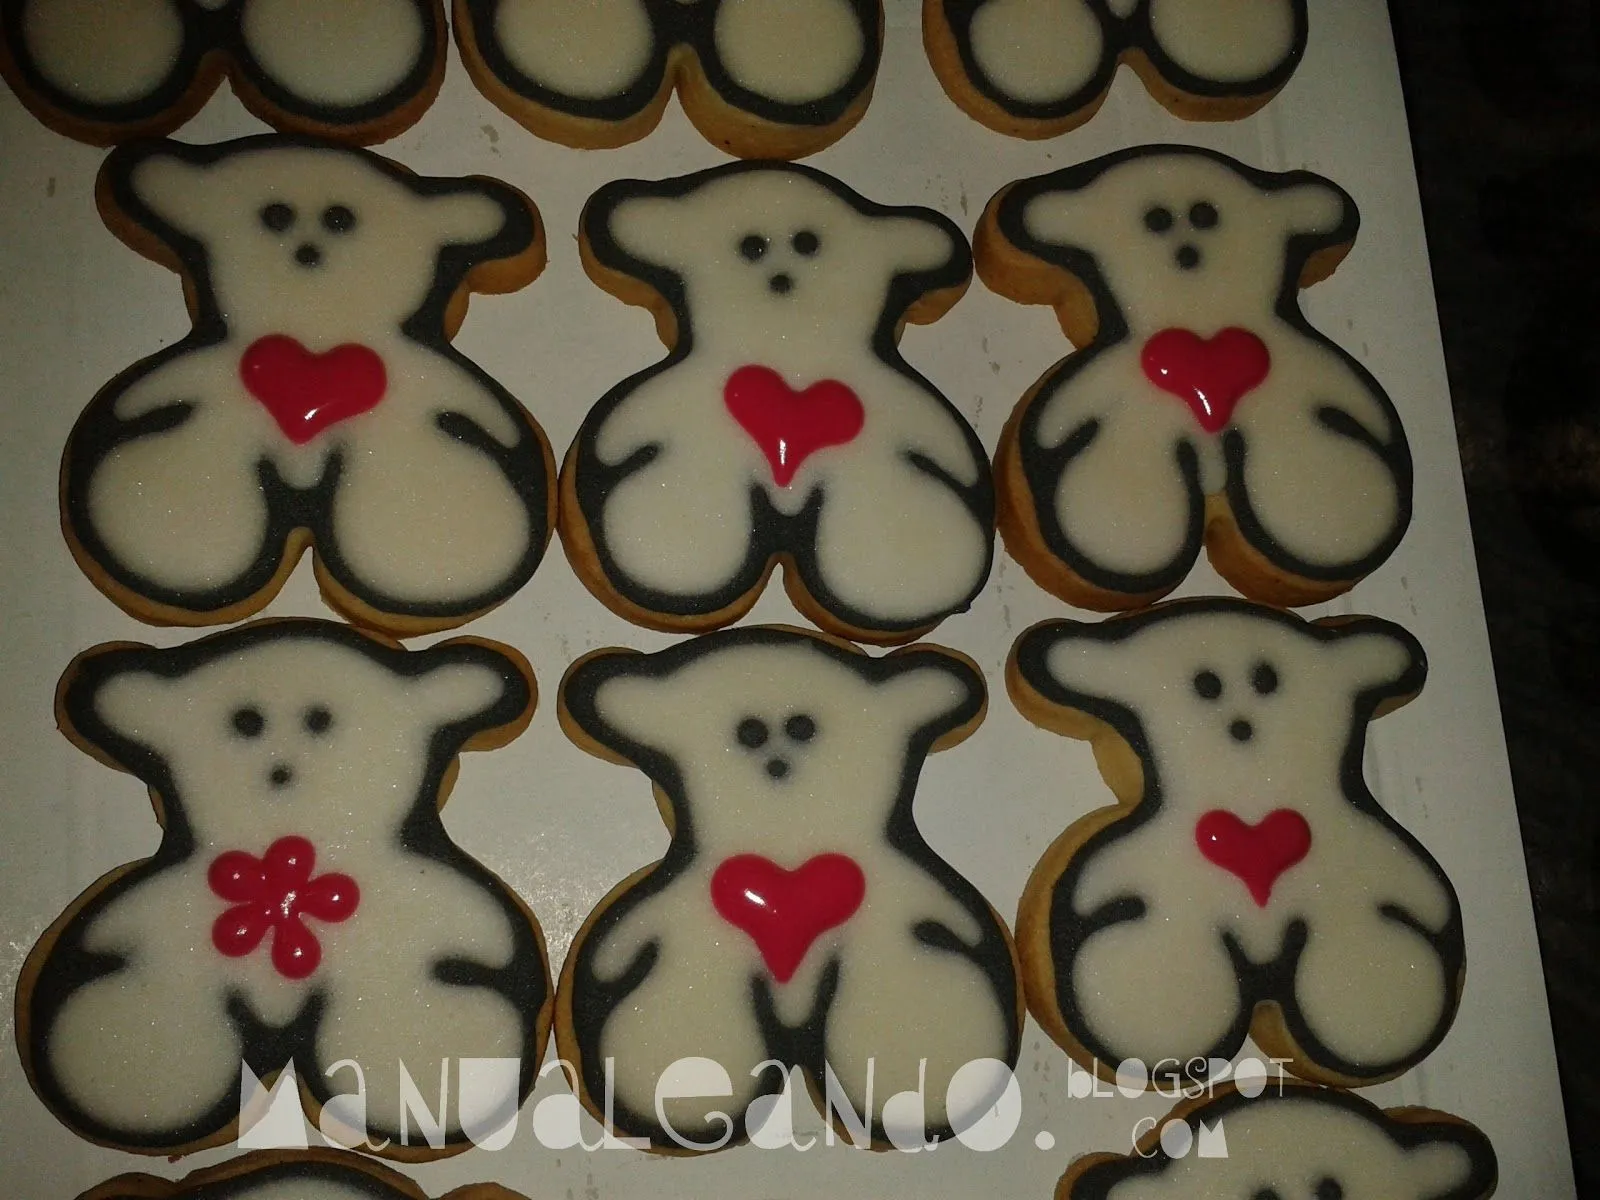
column 1200, row 406
column 308, row 1175
column 758, row 78
column 1245, row 865
column 318, row 399
column 1038, row 68
column 1293, row 1142
column 305, row 904
column 105, row 71
column 783, row 426
column 798, row 915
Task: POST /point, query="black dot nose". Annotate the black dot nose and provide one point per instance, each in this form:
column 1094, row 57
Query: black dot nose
column 782, row 283
column 307, row 255
column 1241, row 730
column 777, row 767
column 1188, row 257
column 280, row 776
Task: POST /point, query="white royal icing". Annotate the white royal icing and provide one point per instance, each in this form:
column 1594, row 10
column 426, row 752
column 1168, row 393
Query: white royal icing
column 899, row 1002
column 418, row 515
column 1323, row 496
column 791, row 51
column 1224, row 41
column 892, row 541
column 1371, row 988
column 335, row 52
column 1037, row 50
column 103, row 51
column 151, row 1046
column 1288, row 1146
column 590, row 49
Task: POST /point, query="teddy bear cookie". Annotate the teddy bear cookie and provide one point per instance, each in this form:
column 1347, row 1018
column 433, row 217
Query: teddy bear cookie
column 1245, row 864
column 355, row 71
column 309, row 1175
column 783, row 426
column 1291, row 1142
column 1038, row 68
column 758, row 78
column 318, row 399
column 1200, row 406
column 798, row 918
column 305, row 906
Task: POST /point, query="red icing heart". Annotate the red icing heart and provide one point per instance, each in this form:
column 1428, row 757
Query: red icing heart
column 1258, row 853
column 790, row 426
column 785, row 911
column 1210, row 376
column 306, row 392
column 276, row 892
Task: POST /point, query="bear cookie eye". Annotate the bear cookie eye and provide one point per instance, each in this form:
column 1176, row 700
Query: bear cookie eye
column 1203, row 215
column 1329, row 1188
column 277, row 216
column 806, row 243
column 248, row 721
column 1208, row 685
column 752, row 733
column 1158, row 219
column 1264, row 679
column 337, row 218
column 318, row 718
column 801, row 727
column 1266, row 1193
column 752, row 247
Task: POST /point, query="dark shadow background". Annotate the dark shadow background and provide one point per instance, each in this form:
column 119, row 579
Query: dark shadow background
column 1504, row 103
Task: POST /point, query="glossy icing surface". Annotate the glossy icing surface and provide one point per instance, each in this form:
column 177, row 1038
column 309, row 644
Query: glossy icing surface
column 318, row 390
column 292, row 748
column 1253, row 864
column 785, row 420
column 798, row 914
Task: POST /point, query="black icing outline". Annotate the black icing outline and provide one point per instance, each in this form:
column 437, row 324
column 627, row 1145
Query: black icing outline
column 1122, row 36
column 1099, row 1178
column 208, row 33
column 65, row 965
column 1068, row 932
column 771, row 533
column 674, row 23
column 527, row 466
column 1043, row 468
column 592, row 1000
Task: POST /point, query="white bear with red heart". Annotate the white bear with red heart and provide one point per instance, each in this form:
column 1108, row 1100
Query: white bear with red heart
column 318, row 396
column 798, row 915
column 1200, row 405
column 1248, row 868
column 784, row 425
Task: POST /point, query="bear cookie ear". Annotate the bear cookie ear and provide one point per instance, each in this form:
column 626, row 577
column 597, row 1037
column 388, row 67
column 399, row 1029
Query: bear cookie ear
column 1380, row 657
column 1438, row 1168
column 474, row 214
column 913, row 245
column 648, row 228
column 476, row 688
column 1315, row 208
column 171, row 186
column 103, row 694
column 934, row 690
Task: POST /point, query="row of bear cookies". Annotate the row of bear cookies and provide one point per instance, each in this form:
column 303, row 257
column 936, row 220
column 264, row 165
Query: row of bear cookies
column 1201, row 373
column 318, row 401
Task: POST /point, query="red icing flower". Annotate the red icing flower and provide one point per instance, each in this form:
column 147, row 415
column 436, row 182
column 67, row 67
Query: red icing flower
column 277, row 892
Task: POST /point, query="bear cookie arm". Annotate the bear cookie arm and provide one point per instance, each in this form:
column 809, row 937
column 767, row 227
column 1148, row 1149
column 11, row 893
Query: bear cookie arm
column 1041, row 68
column 798, row 915
column 352, row 71
column 317, row 401
column 1293, row 1140
column 783, row 426
column 757, row 79
column 314, row 1175
column 1199, row 408
column 305, row 905
column 1245, row 862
